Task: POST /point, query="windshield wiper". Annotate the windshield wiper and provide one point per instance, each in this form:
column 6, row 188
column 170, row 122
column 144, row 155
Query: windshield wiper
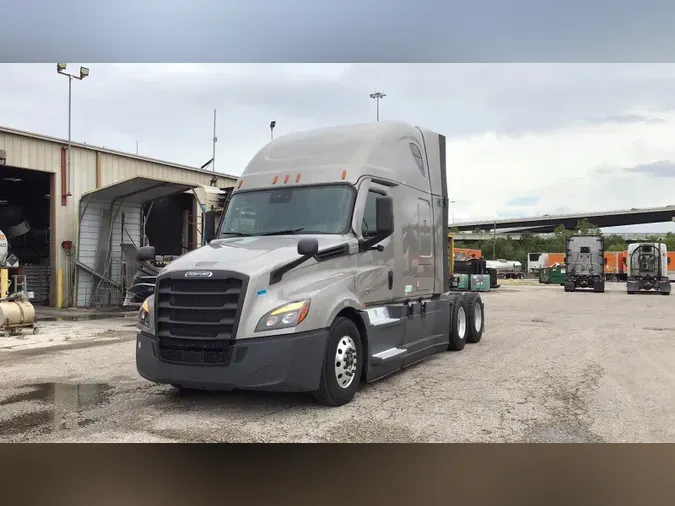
column 285, row 232
column 237, row 234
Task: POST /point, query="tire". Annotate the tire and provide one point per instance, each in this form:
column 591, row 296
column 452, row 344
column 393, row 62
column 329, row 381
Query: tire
column 344, row 341
column 631, row 292
column 475, row 311
column 599, row 286
column 459, row 325
column 569, row 287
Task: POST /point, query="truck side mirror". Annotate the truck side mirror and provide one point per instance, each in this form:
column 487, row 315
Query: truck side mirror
column 145, row 254
column 209, row 226
column 384, row 217
column 308, row 247
column 606, row 261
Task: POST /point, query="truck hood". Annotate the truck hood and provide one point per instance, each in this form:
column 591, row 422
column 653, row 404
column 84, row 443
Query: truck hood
column 248, row 255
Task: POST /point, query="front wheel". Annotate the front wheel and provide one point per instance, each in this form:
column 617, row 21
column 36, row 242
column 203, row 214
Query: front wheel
column 342, row 364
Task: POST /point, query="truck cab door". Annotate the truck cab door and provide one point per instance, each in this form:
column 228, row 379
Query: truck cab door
column 376, row 281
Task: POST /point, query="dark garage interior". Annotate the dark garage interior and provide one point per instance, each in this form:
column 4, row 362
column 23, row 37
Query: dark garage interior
column 25, row 212
column 169, row 224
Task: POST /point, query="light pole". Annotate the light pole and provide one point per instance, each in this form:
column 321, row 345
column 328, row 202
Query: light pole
column 272, row 125
column 452, row 206
column 84, row 72
column 215, row 139
column 377, row 96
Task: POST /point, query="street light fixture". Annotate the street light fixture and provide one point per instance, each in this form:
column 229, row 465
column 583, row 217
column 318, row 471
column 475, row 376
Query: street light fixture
column 272, row 125
column 84, row 72
column 377, row 96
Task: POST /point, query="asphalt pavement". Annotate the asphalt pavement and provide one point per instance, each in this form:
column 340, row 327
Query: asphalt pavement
column 552, row 367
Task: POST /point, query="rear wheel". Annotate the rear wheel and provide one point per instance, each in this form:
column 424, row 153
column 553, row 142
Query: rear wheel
column 342, row 364
column 458, row 329
column 599, row 286
column 569, row 286
column 475, row 310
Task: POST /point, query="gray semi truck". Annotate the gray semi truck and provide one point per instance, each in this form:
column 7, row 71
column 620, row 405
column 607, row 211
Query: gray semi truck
column 328, row 268
column 585, row 263
column 647, row 268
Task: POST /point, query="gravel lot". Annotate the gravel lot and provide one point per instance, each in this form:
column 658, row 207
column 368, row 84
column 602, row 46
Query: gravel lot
column 552, row 367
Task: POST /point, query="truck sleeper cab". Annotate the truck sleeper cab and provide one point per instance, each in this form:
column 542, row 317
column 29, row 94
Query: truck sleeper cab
column 330, row 265
column 585, row 263
column 647, row 268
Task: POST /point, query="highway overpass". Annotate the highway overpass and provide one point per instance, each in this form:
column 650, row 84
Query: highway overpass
column 548, row 223
column 465, row 236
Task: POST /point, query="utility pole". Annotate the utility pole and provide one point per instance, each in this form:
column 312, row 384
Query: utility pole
column 377, row 96
column 215, row 139
column 494, row 241
column 136, row 148
column 452, row 206
column 84, row 72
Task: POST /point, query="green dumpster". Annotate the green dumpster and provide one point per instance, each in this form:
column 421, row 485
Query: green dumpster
column 545, row 275
column 557, row 275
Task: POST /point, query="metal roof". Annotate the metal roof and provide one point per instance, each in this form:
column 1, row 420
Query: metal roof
column 137, row 190
column 91, row 147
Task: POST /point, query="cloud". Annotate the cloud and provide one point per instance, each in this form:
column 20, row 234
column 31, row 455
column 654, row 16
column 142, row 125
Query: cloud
column 523, row 202
column 513, row 130
column 656, row 169
column 628, row 118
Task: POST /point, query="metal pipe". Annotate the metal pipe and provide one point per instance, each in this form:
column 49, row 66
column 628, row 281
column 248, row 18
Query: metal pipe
column 70, row 103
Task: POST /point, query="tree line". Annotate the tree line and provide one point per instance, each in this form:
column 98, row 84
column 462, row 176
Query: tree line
column 511, row 249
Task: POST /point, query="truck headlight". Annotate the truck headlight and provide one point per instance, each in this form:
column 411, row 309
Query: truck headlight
column 144, row 315
column 286, row 316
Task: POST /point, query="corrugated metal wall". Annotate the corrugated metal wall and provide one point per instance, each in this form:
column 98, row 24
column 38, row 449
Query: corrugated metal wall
column 35, row 152
column 100, row 249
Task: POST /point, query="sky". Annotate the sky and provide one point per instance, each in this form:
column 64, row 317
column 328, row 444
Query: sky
column 523, row 139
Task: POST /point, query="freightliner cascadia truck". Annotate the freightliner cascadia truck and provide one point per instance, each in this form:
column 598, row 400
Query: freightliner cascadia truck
column 328, row 268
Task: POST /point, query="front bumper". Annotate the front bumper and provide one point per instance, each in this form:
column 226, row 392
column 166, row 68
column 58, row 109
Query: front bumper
column 288, row 363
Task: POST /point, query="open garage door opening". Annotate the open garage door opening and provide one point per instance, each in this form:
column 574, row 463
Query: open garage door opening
column 25, row 221
column 170, row 225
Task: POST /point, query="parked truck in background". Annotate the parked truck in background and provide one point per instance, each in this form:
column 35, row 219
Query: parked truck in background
column 538, row 261
column 585, row 263
column 647, row 268
column 340, row 272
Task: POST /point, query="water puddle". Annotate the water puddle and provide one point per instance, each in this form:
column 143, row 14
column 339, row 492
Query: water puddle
column 84, row 317
column 59, row 406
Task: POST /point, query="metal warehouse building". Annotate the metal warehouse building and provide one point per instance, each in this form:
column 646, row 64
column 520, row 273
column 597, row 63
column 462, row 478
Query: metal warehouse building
column 74, row 235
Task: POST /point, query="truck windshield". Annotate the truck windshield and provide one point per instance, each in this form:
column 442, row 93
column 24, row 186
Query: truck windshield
column 304, row 209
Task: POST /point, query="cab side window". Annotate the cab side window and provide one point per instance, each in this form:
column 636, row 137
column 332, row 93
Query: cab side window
column 369, row 223
column 417, row 155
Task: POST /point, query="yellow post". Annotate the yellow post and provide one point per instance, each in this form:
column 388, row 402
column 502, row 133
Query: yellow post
column 59, row 288
column 4, row 282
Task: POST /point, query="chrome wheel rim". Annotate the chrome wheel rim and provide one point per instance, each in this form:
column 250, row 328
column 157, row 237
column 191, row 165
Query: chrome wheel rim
column 346, row 362
column 461, row 322
column 478, row 318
